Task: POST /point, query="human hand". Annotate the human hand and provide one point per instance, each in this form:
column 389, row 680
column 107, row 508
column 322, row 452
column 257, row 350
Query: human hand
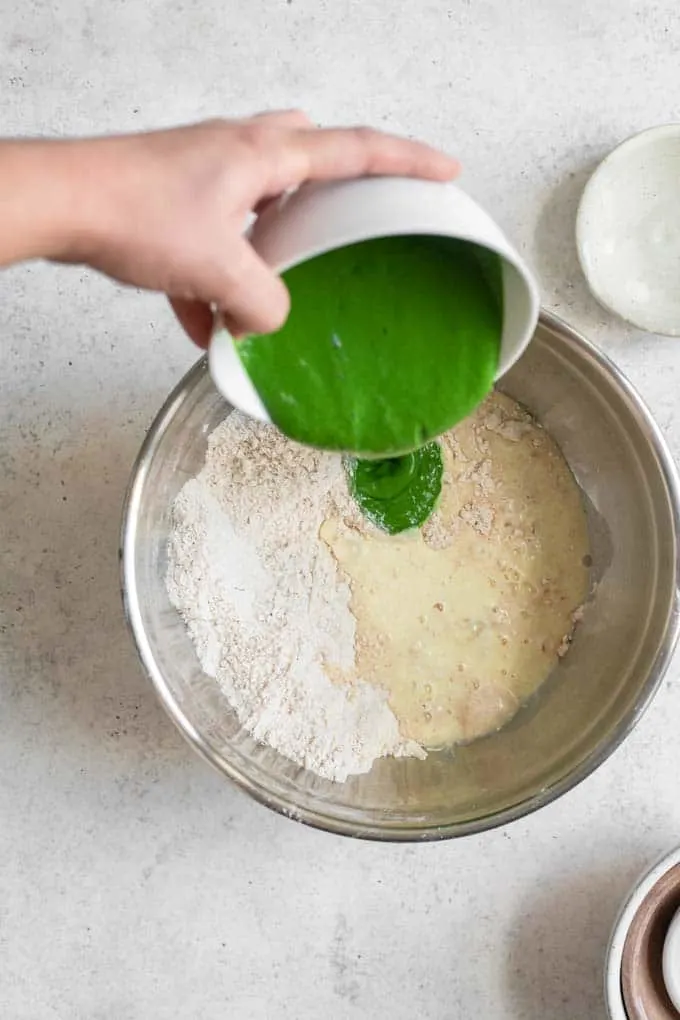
column 166, row 210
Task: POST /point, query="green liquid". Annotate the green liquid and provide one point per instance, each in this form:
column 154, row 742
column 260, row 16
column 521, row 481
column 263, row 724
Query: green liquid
column 401, row 492
column 389, row 343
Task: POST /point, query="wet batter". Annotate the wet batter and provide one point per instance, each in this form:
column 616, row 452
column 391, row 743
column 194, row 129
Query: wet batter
column 462, row 620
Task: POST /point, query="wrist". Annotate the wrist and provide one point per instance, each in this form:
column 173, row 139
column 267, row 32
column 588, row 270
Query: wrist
column 47, row 202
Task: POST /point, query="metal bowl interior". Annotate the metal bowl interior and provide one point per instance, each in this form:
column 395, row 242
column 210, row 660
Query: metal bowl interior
column 590, row 702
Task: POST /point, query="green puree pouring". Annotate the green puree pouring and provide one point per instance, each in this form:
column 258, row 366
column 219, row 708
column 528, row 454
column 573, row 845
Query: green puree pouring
column 389, row 343
column 399, row 492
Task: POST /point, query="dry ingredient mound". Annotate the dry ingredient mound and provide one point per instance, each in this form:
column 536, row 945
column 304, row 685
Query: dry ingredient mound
column 264, row 605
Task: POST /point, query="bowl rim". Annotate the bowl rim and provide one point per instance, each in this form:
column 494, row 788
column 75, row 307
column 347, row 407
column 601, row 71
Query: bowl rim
column 644, row 883
column 400, row 831
column 638, row 140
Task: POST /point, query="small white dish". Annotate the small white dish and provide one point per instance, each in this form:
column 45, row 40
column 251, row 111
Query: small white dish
column 671, row 961
column 318, row 218
column 628, row 231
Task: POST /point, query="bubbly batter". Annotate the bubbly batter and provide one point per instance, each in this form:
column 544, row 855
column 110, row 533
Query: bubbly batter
column 461, row 621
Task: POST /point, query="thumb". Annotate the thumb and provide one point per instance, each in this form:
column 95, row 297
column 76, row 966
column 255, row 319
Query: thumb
column 251, row 298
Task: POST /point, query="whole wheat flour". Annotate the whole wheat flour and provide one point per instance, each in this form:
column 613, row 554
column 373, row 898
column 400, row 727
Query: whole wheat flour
column 265, row 606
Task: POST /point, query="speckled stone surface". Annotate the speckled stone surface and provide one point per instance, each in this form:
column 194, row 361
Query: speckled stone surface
column 134, row 883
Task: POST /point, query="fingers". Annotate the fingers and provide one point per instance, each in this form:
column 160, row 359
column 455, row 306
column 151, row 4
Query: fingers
column 356, row 152
column 278, row 151
column 336, row 153
column 252, row 298
column 195, row 318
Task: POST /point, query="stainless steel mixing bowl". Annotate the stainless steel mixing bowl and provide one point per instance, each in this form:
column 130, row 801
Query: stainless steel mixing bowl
column 591, row 701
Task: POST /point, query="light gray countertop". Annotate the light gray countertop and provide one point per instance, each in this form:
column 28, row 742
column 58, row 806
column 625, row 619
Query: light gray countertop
column 135, row 883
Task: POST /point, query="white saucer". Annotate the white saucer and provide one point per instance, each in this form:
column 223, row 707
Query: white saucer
column 628, row 231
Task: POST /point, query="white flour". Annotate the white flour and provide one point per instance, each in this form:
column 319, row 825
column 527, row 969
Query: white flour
column 264, row 605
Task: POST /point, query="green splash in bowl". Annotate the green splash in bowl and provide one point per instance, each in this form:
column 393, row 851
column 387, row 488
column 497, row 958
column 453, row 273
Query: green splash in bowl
column 398, row 493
